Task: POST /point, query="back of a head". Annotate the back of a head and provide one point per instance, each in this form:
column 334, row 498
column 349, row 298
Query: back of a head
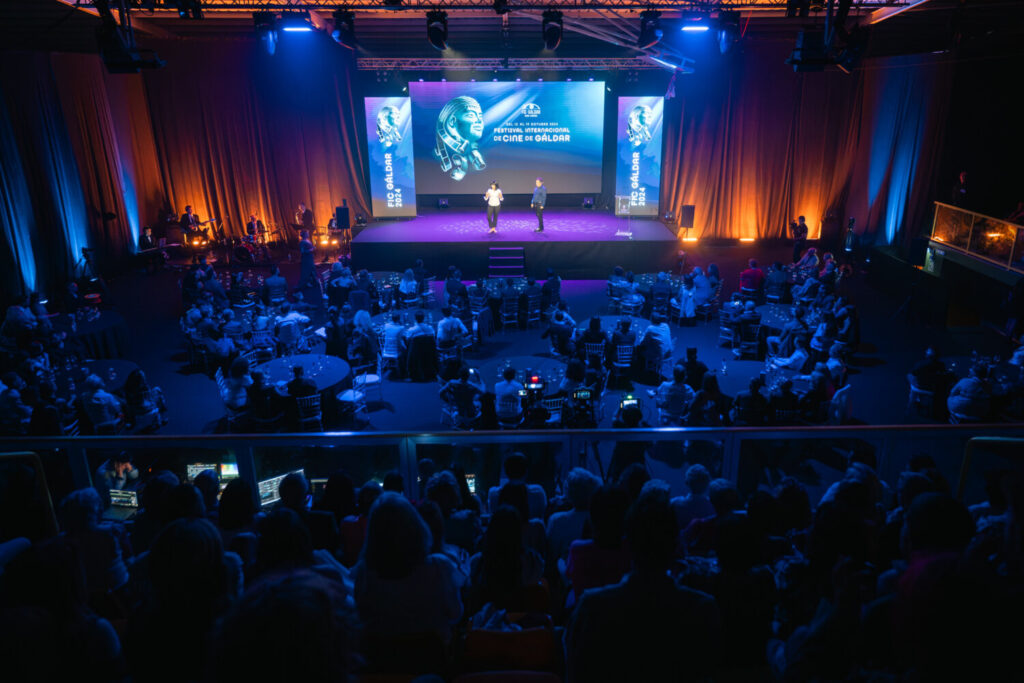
column 236, row 508
column 393, row 482
column 678, row 374
column 632, row 480
column 515, row 494
column 508, row 374
column 49, row 574
column 397, row 538
column 937, row 522
column 285, row 543
column 430, row 512
column 298, row 627
column 581, row 485
column 697, row 479
column 515, row 466
column 293, row 490
column 184, row 502
column 186, row 566
column 366, row 496
column 419, row 316
column 208, row 485
column 793, row 505
column 443, row 489
column 723, row 496
column 651, row 530
column 80, row 510
column 608, row 508
column 736, row 543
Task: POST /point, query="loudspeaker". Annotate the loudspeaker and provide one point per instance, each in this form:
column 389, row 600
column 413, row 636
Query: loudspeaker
column 341, row 218
column 686, row 212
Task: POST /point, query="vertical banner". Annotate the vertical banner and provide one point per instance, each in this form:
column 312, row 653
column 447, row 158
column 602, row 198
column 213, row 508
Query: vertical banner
column 389, row 141
column 638, row 156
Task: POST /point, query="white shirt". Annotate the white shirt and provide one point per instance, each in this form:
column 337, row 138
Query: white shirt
column 450, row 329
column 494, row 197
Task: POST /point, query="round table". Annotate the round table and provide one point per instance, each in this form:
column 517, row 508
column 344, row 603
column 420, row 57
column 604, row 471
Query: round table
column 114, row 372
column 550, row 369
column 104, row 337
column 327, row 372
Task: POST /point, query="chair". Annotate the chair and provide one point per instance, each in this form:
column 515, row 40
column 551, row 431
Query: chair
column 366, row 377
column 750, row 342
column 921, row 402
column 310, row 417
column 533, row 309
column 631, row 306
column 726, row 335
column 390, row 353
column 839, row 407
column 447, row 354
column 508, row 404
column 773, row 293
column 427, row 292
column 707, row 309
column 614, row 298
column 71, row 427
column 409, row 300
column 352, row 402
column 421, row 359
column 747, row 294
column 623, row 360
column 659, row 303
column 554, row 408
column 529, row 649
column 594, row 349
column 263, row 339
column 509, row 313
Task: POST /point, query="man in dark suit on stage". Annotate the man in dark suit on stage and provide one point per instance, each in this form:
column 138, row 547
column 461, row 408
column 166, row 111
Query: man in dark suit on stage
column 537, row 202
column 254, row 228
column 304, row 217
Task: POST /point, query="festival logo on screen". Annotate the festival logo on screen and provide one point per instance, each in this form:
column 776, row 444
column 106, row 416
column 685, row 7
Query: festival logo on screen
column 530, row 110
column 638, row 166
column 392, row 171
column 460, row 126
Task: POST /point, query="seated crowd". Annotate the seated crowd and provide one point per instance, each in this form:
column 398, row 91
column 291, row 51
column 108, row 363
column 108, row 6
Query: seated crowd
column 611, row 580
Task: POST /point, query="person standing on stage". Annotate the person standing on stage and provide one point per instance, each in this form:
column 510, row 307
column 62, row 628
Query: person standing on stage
column 799, row 234
column 537, row 202
column 494, row 199
column 304, row 219
column 307, row 263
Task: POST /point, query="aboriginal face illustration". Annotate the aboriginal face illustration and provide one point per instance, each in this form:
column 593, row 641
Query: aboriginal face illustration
column 387, row 126
column 460, row 126
column 638, row 125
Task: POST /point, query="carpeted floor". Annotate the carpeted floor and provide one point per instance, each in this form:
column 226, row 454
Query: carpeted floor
column 152, row 306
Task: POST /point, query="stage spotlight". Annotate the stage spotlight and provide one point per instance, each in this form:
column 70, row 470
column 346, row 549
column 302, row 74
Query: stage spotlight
column 551, row 29
column 437, row 29
column 344, row 32
column 266, row 30
column 295, row 22
column 728, row 29
column 650, row 29
column 189, row 8
column 501, row 7
column 695, row 22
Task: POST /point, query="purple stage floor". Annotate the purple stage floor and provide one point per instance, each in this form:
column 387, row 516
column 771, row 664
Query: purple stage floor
column 514, row 226
column 577, row 244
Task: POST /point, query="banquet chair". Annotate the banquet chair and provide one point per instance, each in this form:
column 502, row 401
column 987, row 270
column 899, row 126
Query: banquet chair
column 263, row 339
column 390, row 353
column 533, row 309
column 594, row 350
column 554, row 408
column 477, row 303
column 632, row 306
column 749, row 342
column 409, row 300
column 310, row 416
column 707, row 309
column 508, row 404
column 614, row 298
column 726, row 335
column 366, row 377
column 839, row 407
column 427, row 297
column 509, row 314
column 623, row 360
column 659, row 303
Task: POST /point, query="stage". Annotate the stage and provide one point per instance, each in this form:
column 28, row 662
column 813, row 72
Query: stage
column 577, row 244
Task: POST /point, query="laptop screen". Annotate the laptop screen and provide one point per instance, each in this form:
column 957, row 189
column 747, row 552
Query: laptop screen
column 193, row 470
column 124, row 499
column 229, row 470
column 268, row 489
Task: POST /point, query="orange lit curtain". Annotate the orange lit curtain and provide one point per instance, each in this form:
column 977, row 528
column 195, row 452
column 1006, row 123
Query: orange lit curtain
column 752, row 145
column 239, row 131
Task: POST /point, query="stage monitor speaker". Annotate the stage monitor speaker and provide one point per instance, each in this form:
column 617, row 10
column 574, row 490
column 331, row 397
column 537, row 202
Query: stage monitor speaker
column 686, row 216
column 341, row 218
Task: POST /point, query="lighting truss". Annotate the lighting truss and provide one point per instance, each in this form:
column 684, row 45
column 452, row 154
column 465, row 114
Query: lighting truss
column 513, row 64
column 581, row 6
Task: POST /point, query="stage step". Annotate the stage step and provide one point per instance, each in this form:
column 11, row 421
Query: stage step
column 506, row 262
